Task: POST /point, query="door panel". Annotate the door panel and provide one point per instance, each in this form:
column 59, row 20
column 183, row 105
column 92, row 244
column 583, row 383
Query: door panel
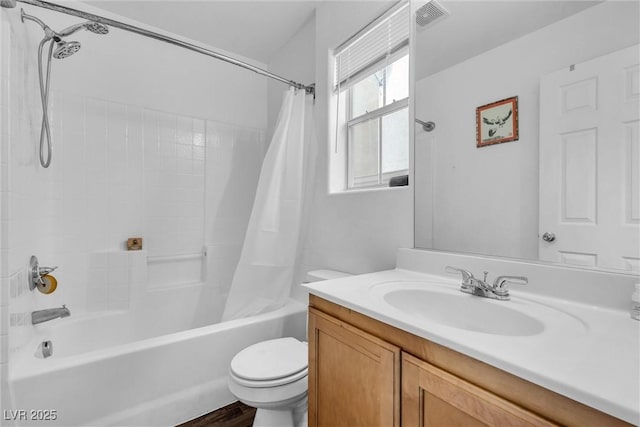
column 589, row 161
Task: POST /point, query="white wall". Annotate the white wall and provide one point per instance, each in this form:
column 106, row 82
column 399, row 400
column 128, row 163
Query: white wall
column 132, row 69
column 355, row 232
column 149, row 140
column 486, row 200
column 295, row 60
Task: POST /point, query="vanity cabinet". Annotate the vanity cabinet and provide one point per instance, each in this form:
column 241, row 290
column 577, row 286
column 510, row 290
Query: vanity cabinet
column 363, row 372
column 355, row 377
column 432, row 397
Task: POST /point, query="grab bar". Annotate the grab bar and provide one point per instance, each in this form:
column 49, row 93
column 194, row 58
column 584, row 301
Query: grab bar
column 175, row 257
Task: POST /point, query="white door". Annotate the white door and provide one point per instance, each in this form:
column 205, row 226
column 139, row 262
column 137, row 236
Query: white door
column 589, row 163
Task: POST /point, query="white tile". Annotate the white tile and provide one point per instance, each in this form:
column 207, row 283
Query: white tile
column 135, row 154
column 118, row 260
column 184, row 130
column 4, row 286
column 97, row 280
column 117, row 304
column 135, row 124
column 184, row 151
column 167, row 145
column 138, row 276
column 98, row 260
column 96, row 303
column 117, row 277
column 184, row 166
column 137, row 259
column 96, row 133
column 18, row 285
column 96, row 298
column 120, row 292
column 168, row 165
column 4, row 349
column 4, row 319
column 198, row 152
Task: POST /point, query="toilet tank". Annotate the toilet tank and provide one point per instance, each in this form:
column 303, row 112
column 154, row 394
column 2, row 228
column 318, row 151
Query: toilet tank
column 318, row 275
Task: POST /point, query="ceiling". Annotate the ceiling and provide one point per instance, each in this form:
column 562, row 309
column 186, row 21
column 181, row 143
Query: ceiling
column 474, row 27
column 254, row 29
column 257, row 29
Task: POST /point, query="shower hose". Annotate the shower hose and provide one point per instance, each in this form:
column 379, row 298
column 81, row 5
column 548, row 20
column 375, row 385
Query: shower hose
column 45, row 131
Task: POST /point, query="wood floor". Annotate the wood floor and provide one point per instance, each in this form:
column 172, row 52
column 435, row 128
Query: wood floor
column 235, row 415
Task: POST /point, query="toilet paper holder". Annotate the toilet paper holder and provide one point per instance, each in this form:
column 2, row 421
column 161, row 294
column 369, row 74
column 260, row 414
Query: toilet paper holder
column 37, row 273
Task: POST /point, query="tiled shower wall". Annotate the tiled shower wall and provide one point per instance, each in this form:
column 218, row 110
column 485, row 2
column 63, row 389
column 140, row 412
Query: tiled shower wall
column 16, row 123
column 120, row 169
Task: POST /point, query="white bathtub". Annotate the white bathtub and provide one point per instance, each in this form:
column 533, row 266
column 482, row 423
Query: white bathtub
column 164, row 380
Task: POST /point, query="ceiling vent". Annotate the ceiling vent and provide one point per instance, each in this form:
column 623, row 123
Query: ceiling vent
column 429, row 14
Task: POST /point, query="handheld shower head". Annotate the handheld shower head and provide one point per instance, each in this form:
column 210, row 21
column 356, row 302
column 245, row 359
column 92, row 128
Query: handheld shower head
column 96, row 27
column 93, row 26
column 62, row 50
column 66, row 49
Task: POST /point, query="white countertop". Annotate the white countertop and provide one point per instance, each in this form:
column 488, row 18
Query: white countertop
column 588, row 353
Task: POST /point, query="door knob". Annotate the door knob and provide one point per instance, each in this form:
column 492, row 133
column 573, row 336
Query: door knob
column 548, row 237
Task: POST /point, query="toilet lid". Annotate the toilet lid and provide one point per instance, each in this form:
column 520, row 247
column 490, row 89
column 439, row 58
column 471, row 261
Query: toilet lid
column 271, row 360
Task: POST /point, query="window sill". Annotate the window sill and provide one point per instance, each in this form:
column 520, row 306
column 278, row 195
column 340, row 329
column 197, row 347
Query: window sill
column 367, row 190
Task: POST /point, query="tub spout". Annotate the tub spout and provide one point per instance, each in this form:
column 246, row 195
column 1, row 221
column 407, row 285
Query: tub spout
column 40, row 316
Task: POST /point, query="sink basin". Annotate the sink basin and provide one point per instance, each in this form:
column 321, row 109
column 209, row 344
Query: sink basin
column 464, row 311
column 434, row 303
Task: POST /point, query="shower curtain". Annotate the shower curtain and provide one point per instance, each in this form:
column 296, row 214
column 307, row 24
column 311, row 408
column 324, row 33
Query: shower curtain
column 268, row 261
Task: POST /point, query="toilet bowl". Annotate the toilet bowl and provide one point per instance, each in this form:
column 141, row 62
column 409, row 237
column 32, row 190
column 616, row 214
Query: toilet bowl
column 271, row 376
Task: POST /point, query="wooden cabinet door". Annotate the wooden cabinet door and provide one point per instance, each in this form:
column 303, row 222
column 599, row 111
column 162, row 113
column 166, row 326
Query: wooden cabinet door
column 434, row 398
column 354, row 377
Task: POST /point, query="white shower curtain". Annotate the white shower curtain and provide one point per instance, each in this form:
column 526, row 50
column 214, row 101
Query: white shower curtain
column 266, row 270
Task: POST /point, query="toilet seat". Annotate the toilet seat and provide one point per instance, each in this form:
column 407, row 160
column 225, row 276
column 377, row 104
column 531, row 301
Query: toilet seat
column 270, row 363
column 269, row 383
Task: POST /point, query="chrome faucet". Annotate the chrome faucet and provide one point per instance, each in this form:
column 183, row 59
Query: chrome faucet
column 40, row 316
column 498, row 290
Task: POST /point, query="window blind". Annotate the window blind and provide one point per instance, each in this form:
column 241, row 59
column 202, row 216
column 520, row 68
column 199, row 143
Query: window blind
column 376, row 42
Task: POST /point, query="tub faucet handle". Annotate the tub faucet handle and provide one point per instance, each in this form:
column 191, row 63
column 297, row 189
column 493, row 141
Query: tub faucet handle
column 37, row 273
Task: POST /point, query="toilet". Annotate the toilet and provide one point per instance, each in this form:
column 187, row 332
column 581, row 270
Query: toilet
column 272, row 375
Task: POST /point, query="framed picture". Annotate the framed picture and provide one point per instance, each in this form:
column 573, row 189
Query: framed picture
column 497, row 122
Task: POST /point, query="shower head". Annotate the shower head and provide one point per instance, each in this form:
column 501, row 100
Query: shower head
column 93, row 26
column 66, row 49
column 96, row 27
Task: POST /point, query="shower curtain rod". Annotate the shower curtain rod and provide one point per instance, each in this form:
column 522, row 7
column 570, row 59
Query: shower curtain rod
column 133, row 29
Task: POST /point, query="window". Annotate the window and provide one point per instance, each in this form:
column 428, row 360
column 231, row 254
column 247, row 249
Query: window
column 372, row 89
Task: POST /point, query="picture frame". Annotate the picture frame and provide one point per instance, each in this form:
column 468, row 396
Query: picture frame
column 497, row 122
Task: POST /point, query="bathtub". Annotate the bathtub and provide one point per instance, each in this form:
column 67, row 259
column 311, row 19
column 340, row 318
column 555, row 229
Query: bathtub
column 110, row 376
